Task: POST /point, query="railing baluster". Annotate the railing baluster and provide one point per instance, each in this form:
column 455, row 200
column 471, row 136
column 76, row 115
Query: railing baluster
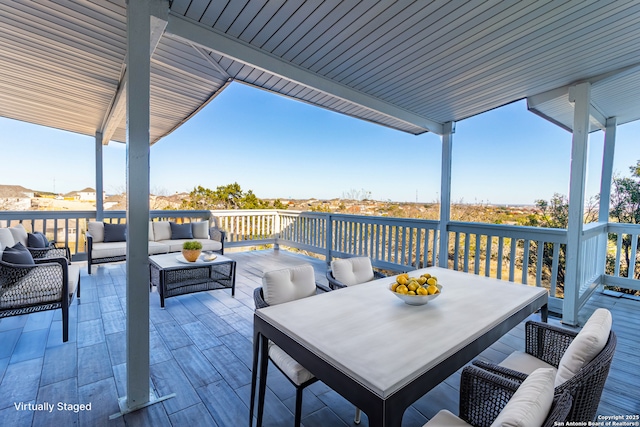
column 487, row 263
column 632, row 257
column 540, row 256
column 512, row 260
column 525, row 262
column 456, row 249
column 476, row 260
column 467, row 243
column 499, row 257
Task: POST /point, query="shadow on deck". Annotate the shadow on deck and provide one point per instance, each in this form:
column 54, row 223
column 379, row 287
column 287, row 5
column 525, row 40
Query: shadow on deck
column 201, row 350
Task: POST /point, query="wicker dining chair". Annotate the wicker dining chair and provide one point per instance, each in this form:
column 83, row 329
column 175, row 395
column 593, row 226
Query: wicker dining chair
column 351, row 271
column 551, row 346
column 281, row 286
column 486, row 396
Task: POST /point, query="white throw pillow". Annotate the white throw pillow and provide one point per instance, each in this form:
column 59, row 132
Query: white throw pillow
column 6, row 239
column 530, row 404
column 289, row 284
column 352, row 271
column 161, row 230
column 585, row 346
column 96, row 229
column 20, row 234
column 200, row 229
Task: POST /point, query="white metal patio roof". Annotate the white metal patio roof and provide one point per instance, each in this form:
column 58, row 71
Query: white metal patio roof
column 404, row 64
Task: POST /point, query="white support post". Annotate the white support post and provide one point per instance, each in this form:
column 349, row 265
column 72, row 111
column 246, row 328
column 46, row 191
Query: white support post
column 607, row 169
column 445, row 194
column 580, row 95
column 99, row 178
column 138, row 73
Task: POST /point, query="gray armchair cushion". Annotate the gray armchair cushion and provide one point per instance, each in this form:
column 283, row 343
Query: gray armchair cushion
column 115, row 232
column 180, row 231
column 288, row 284
column 352, row 271
column 17, row 254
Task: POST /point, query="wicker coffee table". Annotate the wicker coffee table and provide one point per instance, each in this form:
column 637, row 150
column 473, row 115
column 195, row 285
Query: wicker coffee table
column 173, row 275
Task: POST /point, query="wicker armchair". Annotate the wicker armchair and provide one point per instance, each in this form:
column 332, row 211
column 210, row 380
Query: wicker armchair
column 548, row 344
column 349, row 265
column 483, row 395
column 48, row 284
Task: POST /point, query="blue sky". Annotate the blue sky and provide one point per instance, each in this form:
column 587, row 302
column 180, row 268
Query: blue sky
column 278, row 147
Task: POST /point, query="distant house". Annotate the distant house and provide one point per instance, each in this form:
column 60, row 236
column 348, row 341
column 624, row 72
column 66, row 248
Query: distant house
column 86, row 195
column 15, row 197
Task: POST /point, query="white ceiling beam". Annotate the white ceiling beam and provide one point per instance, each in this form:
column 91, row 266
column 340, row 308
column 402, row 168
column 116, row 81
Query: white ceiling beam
column 216, row 41
column 118, row 108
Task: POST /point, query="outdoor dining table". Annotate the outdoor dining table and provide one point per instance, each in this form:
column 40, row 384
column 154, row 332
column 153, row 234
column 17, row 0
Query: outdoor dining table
column 382, row 354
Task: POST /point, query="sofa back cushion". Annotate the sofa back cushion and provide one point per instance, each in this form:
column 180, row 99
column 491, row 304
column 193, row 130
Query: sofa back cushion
column 200, row 229
column 352, row 271
column 161, row 230
column 17, row 254
column 180, row 231
column 585, row 346
column 6, row 238
column 288, row 284
column 115, row 232
column 96, row 229
column 19, row 234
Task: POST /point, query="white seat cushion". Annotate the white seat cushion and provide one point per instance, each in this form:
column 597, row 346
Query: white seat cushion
column 288, row 284
column 96, row 229
column 292, row 369
column 524, row 362
column 73, row 271
column 108, row 249
column 446, row 418
column 176, row 245
column 585, row 346
column 352, row 271
column 157, row 248
column 530, row 404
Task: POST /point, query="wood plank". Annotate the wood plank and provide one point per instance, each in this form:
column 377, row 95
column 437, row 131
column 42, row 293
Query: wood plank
column 195, row 366
column 225, row 406
column 93, row 364
column 60, row 363
column 51, row 394
column 169, row 378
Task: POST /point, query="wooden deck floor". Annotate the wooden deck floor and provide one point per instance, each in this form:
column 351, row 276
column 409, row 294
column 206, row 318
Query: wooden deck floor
column 201, row 350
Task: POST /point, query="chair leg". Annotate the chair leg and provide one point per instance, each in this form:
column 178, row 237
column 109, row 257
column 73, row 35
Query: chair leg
column 298, row 415
column 356, row 419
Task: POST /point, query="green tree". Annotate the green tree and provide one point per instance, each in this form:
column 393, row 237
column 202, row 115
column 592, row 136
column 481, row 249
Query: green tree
column 625, row 208
column 228, row 196
column 555, row 214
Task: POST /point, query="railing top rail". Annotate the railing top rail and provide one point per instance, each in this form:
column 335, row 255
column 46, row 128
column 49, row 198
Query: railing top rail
column 618, row 227
column 553, row 235
column 14, row 215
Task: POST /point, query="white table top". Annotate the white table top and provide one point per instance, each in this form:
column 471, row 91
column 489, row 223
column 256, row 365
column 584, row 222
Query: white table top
column 170, row 260
column 383, row 343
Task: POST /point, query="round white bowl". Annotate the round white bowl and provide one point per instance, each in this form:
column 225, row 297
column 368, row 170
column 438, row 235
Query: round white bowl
column 416, row 299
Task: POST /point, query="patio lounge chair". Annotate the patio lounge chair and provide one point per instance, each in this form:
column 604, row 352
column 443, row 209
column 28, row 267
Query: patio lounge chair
column 581, row 359
column 47, row 284
column 281, row 286
column 351, row 271
column 489, row 399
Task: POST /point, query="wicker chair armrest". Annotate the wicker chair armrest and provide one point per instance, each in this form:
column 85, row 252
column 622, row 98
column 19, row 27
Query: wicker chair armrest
column 560, row 409
column 258, row 298
column 216, row 234
column 483, row 395
column 378, row 275
column 333, row 282
column 547, row 342
column 507, row 373
column 50, row 252
column 321, row 287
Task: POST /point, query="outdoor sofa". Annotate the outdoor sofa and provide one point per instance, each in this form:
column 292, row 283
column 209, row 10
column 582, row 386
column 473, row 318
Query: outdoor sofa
column 107, row 242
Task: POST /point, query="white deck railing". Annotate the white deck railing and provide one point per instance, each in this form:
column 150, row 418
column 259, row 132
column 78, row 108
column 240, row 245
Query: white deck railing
column 508, row 252
column 630, row 233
